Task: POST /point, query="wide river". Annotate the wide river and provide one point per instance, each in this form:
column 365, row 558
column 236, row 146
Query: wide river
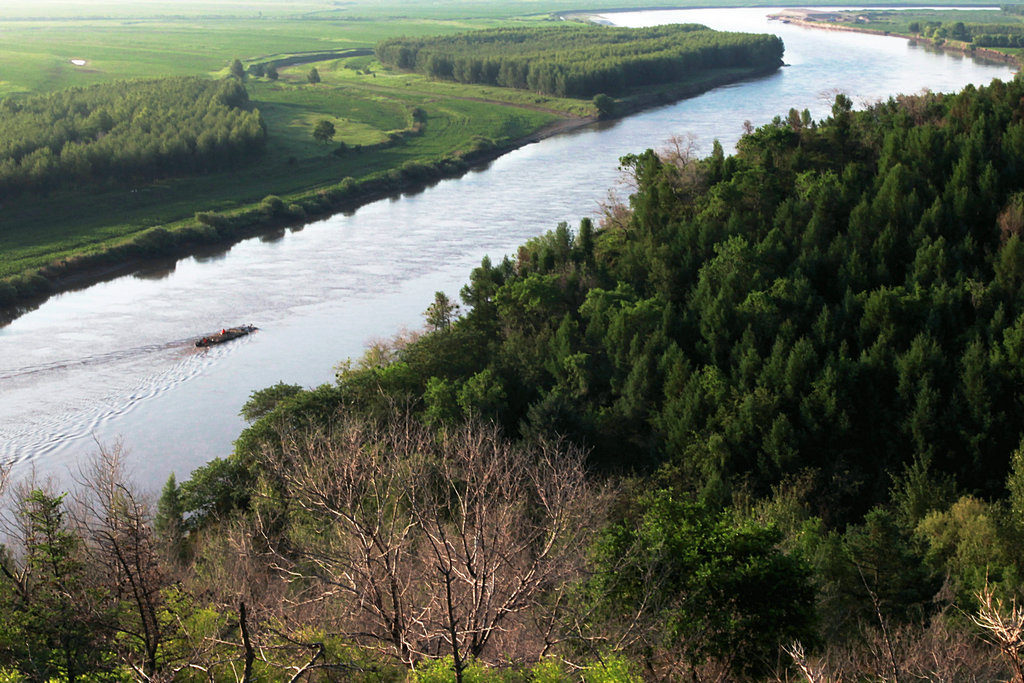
column 115, row 362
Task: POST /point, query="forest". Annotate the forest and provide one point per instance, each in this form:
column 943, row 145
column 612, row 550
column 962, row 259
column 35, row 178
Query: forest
column 761, row 422
column 124, row 133
column 580, row 60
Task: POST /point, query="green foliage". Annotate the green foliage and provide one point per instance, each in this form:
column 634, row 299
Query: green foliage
column 580, row 60
column 215, row 490
column 262, row 401
column 442, row 312
column 886, row 568
column 237, row 70
column 169, row 522
column 605, row 105
column 612, row 669
column 966, row 540
column 324, row 131
column 124, row 132
column 55, row 621
column 711, row 588
column 313, row 76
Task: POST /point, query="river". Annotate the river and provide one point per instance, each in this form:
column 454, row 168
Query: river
column 115, row 363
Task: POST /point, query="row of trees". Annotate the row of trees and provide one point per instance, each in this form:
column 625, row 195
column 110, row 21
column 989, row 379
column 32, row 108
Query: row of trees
column 980, row 35
column 124, row 132
column 580, row 60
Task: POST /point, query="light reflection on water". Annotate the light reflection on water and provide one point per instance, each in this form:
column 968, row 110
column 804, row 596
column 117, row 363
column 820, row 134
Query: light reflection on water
column 116, row 360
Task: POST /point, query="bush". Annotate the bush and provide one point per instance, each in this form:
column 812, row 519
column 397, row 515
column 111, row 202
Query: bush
column 210, row 218
column 272, row 205
column 8, row 293
column 153, row 242
column 442, row 671
column 605, row 105
column 612, row 670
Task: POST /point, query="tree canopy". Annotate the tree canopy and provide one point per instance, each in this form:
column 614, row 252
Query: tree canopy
column 124, row 132
column 580, row 60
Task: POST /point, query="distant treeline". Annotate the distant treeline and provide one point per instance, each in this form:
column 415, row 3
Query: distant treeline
column 979, row 35
column 127, row 131
column 580, row 60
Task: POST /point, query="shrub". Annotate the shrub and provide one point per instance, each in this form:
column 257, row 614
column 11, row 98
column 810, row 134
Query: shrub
column 272, row 205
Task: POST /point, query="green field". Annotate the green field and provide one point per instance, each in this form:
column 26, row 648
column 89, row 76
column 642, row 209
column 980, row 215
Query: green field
column 371, row 107
column 149, row 38
column 38, row 232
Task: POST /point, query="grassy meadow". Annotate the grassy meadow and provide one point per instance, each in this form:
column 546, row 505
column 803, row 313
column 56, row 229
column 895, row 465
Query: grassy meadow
column 371, row 107
column 369, row 120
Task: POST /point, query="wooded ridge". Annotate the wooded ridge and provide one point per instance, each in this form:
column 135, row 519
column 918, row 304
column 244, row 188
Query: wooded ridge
column 760, row 422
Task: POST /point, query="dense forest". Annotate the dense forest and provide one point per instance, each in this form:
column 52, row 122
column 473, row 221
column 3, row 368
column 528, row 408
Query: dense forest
column 580, row 60
column 762, row 422
column 127, row 132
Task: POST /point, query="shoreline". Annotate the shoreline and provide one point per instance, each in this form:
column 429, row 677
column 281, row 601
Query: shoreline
column 160, row 244
column 964, row 49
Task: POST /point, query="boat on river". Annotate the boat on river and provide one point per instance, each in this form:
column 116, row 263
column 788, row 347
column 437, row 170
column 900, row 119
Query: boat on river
column 224, row 335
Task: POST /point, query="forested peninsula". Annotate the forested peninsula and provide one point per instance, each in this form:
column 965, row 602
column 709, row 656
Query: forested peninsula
column 762, row 422
column 581, row 60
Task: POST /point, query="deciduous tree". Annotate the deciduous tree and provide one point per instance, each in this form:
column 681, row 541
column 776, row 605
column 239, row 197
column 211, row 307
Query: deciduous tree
column 428, row 547
column 324, row 131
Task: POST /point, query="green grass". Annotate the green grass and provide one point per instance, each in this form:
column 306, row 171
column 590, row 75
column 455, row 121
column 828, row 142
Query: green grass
column 365, row 111
column 353, row 9
column 37, row 54
column 366, row 102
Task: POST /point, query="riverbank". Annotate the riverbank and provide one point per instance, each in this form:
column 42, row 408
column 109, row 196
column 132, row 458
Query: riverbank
column 207, row 230
column 828, row 21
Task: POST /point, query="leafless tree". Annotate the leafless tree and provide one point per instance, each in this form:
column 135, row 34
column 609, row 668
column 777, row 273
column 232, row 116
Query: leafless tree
column 1003, row 627
column 502, row 526
column 424, row 546
column 116, row 525
column 349, row 528
column 815, row 670
column 615, row 212
column 943, row 650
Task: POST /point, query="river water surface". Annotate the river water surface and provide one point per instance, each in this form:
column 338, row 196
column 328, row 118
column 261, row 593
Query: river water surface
column 116, row 362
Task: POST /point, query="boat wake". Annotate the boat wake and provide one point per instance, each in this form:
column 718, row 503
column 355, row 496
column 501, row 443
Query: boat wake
column 95, row 360
column 84, row 400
